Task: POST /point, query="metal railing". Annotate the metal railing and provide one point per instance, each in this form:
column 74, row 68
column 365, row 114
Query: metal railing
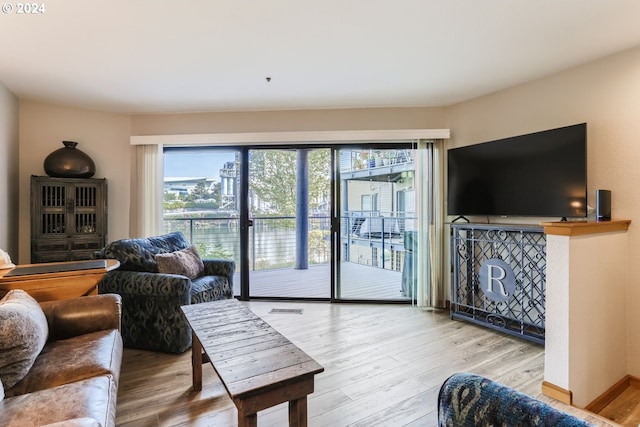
column 377, row 241
column 375, row 238
column 272, row 240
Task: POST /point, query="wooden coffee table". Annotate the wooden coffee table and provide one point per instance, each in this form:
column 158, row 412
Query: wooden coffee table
column 258, row 366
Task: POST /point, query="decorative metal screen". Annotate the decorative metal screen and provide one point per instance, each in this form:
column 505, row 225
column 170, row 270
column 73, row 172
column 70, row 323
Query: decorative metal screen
column 498, row 277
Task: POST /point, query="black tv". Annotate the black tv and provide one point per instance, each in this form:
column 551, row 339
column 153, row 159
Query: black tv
column 541, row 174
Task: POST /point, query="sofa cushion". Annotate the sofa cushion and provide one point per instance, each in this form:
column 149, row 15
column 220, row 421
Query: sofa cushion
column 185, row 262
column 74, row 359
column 140, row 254
column 93, row 398
column 23, row 334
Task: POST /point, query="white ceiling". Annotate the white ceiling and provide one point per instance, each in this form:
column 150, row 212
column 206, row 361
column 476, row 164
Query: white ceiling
column 146, row 56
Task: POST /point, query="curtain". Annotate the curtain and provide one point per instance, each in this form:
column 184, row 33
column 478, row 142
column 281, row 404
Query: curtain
column 431, row 290
column 437, row 228
column 148, row 199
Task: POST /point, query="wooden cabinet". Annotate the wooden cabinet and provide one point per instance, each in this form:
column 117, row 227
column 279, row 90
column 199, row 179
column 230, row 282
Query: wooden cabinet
column 68, row 218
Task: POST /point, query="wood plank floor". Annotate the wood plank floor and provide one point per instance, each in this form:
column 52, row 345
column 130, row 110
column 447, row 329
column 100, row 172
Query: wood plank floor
column 383, row 364
column 625, row 409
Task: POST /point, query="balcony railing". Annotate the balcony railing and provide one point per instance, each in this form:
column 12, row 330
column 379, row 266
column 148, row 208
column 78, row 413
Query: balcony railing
column 377, row 241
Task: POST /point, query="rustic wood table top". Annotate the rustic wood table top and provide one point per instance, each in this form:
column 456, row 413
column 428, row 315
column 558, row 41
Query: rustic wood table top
column 259, row 367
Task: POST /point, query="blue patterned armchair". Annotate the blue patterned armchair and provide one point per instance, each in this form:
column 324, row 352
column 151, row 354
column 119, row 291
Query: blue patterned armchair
column 151, row 300
column 469, row 400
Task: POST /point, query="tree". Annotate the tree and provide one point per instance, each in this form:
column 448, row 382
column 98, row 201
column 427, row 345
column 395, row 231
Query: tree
column 319, row 176
column 273, row 178
column 200, row 191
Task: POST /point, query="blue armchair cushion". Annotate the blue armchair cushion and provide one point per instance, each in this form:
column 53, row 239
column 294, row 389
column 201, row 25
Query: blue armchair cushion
column 469, row 400
column 186, row 262
column 139, row 254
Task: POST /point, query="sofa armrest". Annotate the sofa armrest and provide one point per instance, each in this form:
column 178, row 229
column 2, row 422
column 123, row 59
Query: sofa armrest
column 77, row 316
column 219, row 267
column 150, row 285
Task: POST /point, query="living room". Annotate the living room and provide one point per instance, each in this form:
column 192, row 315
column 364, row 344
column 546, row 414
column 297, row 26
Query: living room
column 603, row 91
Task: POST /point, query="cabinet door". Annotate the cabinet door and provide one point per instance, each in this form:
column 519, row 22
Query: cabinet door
column 87, row 213
column 50, row 211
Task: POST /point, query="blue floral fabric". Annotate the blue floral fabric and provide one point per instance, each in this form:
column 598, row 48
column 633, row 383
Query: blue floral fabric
column 471, row 400
column 140, row 254
column 151, row 315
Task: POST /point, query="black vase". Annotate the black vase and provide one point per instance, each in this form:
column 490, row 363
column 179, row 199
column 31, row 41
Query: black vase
column 69, row 162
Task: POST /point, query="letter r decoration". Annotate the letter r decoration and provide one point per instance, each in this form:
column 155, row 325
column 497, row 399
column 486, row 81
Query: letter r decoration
column 497, row 280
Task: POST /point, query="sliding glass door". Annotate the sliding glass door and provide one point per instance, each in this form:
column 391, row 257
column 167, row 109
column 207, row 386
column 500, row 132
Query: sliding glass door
column 377, row 217
column 289, row 245
column 302, row 222
column 202, row 200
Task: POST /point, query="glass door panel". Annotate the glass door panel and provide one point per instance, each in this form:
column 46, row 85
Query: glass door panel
column 201, row 199
column 377, row 232
column 289, row 240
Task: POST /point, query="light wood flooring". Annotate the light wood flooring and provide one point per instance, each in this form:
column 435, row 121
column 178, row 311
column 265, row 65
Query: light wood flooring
column 384, row 365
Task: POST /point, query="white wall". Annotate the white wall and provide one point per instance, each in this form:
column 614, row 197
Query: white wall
column 8, row 172
column 586, row 343
column 606, row 95
column 103, row 136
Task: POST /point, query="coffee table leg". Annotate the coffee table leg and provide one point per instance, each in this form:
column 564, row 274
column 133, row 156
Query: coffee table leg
column 298, row 412
column 196, row 363
column 250, row 420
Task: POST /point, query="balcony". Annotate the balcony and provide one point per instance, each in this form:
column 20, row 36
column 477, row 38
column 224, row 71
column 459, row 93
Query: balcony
column 371, row 265
column 376, row 165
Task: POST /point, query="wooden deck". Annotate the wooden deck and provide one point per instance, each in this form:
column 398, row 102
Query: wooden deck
column 359, row 282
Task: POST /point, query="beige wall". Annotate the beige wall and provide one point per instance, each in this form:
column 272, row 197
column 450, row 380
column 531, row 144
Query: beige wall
column 606, row 95
column 8, row 172
column 103, row 136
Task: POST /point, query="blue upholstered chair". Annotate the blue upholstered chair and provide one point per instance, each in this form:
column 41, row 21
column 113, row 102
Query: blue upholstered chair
column 151, row 315
column 470, row 400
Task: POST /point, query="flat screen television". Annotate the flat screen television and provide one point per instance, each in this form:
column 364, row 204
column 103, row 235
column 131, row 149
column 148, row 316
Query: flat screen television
column 540, row 174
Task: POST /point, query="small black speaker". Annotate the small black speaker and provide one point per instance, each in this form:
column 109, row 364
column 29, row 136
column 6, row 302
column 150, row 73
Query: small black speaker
column 603, row 205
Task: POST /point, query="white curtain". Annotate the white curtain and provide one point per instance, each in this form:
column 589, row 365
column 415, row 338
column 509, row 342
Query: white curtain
column 437, row 232
column 430, row 257
column 148, row 199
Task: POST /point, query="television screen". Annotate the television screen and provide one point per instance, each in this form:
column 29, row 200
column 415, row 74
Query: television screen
column 539, row 174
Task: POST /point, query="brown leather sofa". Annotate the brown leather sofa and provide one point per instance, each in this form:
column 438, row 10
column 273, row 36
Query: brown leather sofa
column 74, row 380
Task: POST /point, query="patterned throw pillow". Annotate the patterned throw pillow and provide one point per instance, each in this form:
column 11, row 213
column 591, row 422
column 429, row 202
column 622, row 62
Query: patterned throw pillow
column 186, row 262
column 23, row 334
